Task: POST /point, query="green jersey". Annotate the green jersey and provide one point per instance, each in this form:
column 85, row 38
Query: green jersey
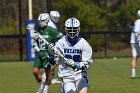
column 50, row 35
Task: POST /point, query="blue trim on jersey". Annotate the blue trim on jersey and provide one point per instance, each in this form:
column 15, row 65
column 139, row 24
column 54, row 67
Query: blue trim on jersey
column 132, row 30
column 53, row 21
column 62, row 88
column 72, row 44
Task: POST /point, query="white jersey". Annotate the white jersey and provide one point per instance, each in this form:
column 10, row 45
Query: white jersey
column 80, row 52
column 135, row 29
column 52, row 24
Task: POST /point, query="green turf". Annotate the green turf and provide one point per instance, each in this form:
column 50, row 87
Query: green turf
column 105, row 76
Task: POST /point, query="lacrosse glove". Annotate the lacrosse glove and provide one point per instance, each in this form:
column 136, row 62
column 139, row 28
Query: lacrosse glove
column 70, row 63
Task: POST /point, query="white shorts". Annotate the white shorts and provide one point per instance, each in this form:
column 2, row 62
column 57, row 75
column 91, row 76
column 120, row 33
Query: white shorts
column 135, row 50
column 74, row 83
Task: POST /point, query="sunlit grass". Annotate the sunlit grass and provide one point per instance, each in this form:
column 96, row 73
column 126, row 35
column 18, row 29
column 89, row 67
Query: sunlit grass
column 105, row 76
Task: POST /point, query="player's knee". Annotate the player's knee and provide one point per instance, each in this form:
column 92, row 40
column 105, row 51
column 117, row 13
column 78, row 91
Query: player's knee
column 35, row 72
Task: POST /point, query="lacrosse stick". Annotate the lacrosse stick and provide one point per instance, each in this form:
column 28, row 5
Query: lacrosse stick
column 33, row 34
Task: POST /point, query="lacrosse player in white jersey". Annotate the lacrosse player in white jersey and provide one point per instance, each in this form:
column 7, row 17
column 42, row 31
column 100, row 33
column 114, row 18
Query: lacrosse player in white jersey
column 135, row 44
column 78, row 53
column 54, row 18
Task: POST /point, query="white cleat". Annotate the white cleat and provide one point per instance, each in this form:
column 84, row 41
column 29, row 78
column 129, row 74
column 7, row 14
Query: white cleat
column 45, row 91
column 133, row 75
column 55, row 81
column 39, row 90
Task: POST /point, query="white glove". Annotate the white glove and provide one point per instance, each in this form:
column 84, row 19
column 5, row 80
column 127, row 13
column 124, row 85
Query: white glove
column 53, row 49
column 51, row 46
column 70, row 63
column 34, row 35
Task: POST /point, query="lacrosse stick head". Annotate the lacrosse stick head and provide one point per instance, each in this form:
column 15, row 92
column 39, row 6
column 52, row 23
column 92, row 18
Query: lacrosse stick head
column 30, row 27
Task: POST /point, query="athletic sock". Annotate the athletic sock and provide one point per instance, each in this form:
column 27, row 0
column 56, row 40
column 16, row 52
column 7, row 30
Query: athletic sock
column 42, row 84
column 133, row 71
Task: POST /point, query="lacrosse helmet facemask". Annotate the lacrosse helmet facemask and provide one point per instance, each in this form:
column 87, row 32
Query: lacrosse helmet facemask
column 43, row 19
column 72, row 28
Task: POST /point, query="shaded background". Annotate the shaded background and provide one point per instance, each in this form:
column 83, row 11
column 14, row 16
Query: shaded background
column 106, row 24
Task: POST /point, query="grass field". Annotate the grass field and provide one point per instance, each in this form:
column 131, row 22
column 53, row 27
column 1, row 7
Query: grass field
column 105, row 76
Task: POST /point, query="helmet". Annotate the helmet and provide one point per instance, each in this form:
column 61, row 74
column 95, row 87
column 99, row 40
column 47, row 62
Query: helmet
column 54, row 15
column 138, row 13
column 72, row 27
column 43, row 19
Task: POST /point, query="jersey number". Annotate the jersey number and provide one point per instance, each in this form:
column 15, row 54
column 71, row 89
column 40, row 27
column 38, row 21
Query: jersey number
column 42, row 44
column 75, row 58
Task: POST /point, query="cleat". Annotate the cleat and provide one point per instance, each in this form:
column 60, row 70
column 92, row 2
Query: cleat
column 39, row 90
column 133, row 76
column 55, row 81
column 45, row 91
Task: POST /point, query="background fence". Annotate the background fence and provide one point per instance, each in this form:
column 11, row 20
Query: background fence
column 93, row 14
column 105, row 44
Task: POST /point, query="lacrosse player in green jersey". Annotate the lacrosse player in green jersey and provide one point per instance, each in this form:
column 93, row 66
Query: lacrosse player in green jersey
column 43, row 56
column 54, row 18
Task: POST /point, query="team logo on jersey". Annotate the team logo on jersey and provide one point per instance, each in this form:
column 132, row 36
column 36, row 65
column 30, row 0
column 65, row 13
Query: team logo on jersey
column 45, row 36
column 76, row 51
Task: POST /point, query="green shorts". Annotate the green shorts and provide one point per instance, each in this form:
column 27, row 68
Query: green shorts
column 41, row 63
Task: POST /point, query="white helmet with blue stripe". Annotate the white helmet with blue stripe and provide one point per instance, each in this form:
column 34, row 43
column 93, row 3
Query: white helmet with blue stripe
column 72, row 27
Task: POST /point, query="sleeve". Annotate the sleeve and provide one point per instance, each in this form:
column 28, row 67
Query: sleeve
column 86, row 57
column 136, row 29
column 137, row 26
column 60, row 49
column 55, row 34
